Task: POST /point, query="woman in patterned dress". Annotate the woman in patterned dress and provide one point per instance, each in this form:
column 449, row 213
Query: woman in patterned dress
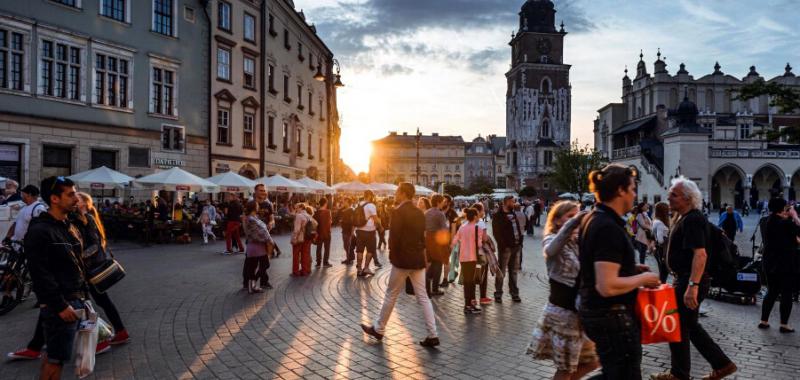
column 558, row 335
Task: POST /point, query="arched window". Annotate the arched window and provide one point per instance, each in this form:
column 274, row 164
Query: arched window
column 545, row 86
column 710, row 100
column 546, row 128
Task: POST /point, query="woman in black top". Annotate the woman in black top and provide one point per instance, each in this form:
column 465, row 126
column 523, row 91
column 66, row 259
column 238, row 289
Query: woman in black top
column 781, row 232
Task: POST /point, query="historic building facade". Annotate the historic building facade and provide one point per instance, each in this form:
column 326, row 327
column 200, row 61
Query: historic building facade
column 538, row 99
column 441, row 159
column 301, row 119
column 708, row 136
column 236, row 126
column 91, row 83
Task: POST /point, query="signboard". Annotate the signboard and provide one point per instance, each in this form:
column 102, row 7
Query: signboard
column 222, row 168
column 182, row 187
column 167, row 163
column 282, row 188
column 232, row 189
column 97, row 186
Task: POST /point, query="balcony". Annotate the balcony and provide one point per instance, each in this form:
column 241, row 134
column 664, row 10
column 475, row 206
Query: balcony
column 754, row 153
column 627, row 152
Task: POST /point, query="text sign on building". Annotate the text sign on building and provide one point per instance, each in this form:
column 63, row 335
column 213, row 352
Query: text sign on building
column 182, row 187
column 232, row 189
column 222, row 168
column 168, row 163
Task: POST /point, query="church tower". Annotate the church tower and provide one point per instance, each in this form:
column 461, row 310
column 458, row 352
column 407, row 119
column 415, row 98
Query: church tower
column 538, row 100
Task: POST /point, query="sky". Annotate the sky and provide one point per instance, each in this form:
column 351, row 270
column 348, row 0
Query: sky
column 439, row 65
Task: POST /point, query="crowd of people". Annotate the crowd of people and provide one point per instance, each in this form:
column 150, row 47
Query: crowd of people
column 594, row 255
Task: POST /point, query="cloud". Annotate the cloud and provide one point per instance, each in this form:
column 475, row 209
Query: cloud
column 703, row 13
column 395, row 69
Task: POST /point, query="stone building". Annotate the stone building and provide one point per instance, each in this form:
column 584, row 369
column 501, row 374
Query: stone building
column 91, row 83
column 236, row 127
column 300, row 114
column 498, row 144
column 709, row 136
column 478, row 161
column 441, row 159
column 538, row 99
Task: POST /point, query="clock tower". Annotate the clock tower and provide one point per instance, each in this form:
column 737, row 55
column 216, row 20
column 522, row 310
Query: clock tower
column 538, row 99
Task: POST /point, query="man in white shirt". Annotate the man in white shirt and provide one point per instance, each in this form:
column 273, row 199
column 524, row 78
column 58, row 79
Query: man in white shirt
column 366, row 237
column 33, row 207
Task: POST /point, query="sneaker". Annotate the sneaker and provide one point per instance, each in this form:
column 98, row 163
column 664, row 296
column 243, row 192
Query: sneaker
column 120, row 337
column 471, row 310
column 429, row 342
column 24, row 354
column 226, row 253
column 786, row 330
column 327, row 265
column 516, row 299
column 722, row 372
column 498, row 300
column 486, row 301
column 370, row 330
column 663, row 376
column 367, row 272
column 763, row 325
column 102, row 347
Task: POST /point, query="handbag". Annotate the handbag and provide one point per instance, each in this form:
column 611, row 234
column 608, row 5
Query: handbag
column 658, row 313
column 104, row 275
column 480, row 261
column 86, row 342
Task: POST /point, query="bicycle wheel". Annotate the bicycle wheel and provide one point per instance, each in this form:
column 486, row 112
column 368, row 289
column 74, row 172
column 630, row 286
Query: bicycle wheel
column 13, row 291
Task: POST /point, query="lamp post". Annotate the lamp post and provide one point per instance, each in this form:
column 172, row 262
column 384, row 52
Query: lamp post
column 335, row 81
column 417, row 138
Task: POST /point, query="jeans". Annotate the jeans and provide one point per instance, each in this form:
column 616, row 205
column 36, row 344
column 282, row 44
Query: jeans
column 509, row 261
column 397, row 284
column 642, row 249
column 59, row 336
column 347, row 239
column 433, row 276
column 255, row 268
column 365, row 240
column 231, row 234
column 778, row 284
column 326, row 244
column 692, row 331
column 617, row 335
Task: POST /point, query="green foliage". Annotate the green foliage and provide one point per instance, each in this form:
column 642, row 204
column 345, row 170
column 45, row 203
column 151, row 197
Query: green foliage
column 453, row 190
column 572, row 167
column 786, row 99
column 527, row 191
column 481, row 185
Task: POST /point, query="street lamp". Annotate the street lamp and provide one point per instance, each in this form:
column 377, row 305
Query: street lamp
column 321, row 77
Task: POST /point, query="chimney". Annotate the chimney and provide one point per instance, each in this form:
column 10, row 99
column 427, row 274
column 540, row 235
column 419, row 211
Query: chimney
column 405, row 133
column 435, row 134
column 393, row 133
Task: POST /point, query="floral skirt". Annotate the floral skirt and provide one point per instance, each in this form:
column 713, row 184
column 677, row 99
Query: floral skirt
column 559, row 336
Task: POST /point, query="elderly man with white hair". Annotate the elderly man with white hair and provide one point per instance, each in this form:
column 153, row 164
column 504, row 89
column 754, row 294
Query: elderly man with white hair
column 12, row 195
column 687, row 256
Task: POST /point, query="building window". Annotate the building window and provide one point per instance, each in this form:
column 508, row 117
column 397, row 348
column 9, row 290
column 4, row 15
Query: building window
column 107, row 158
column 300, row 55
column 548, row 158
column 249, row 72
column 61, row 68
column 321, row 111
column 285, row 137
column 249, row 27
column 223, row 126
column 172, row 138
column 286, row 39
column 299, row 143
column 249, row 131
column 111, row 81
column 56, row 161
column 546, row 128
column 300, row 97
column 272, row 31
column 271, row 79
column 163, row 21
column 286, row 97
column 223, row 63
column 113, row 9
column 11, row 60
column 310, row 156
column 310, row 104
column 163, row 101
column 224, row 16
column 319, row 150
column 188, row 14
column 271, row 132
column 744, row 131
column 138, row 157
column 69, row 3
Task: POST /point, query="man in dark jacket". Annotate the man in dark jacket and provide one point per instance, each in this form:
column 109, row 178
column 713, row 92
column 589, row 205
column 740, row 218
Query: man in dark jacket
column 407, row 255
column 54, row 250
column 507, row 232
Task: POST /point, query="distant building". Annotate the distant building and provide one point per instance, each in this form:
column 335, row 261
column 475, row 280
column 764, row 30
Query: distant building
column 478, row 161
column 441, row 159
column 668, row 125
column 498, row 145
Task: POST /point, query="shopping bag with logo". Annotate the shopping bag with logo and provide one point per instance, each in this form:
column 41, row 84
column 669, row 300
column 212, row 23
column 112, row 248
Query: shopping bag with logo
column 86, row 342
column 658, row 312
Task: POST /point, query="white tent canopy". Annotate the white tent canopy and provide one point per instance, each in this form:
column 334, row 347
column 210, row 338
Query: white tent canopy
column 422, row 190
column 569, row 196
column 383, row 188
column 282, row 184
column 316, row 187
column 176, row 179
column 231, row 182
column 101, row 178
column 351, row 187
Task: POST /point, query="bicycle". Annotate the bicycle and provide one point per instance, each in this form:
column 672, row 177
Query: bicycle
column 15, row 280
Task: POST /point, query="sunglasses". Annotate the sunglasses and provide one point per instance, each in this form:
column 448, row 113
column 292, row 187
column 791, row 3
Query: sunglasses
column 59, row 180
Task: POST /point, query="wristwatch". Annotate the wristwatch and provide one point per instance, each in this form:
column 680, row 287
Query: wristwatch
column 692, row 283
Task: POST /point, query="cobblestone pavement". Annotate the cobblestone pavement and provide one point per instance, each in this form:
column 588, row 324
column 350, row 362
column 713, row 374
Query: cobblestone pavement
column 188, row 319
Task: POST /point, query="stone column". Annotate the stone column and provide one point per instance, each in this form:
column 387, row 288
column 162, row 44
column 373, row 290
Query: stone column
column 786, row 192
column 746, row 198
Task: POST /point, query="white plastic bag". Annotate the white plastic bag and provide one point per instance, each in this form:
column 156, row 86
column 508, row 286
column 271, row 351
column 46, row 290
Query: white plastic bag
column 86, row 343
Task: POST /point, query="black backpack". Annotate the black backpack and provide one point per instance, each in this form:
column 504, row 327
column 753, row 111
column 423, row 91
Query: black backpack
column 359, row 218
column 723, row 261
column 347, row 218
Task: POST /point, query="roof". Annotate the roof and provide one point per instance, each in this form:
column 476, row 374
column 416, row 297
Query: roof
column 635, row 125
column 394, row 138
column 547, row 143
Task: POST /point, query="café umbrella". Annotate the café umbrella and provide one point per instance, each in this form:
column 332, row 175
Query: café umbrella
column 101, row 178
column 351, row 187
column 282, row 184
column 422, row 190
column 176, row 179
column 230, row 182
column 383, row 188
column 316, row 187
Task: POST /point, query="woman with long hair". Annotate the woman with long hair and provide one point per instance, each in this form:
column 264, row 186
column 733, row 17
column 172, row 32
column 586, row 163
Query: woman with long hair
column 256, row 262
column 484, row 285
column 644, row 229
column 661, row 234
column 301, row 241
column 469, row 239
column 95, row 250
column 558, row 334
column 423, row 203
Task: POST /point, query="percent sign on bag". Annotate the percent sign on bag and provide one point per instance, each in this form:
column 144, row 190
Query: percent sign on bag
column 658, row 314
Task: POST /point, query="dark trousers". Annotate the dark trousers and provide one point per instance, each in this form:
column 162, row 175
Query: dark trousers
column 326, row 245
column 663, row 270
column 618, row 338
column 642, row 248
column 692, row 331
column 255, row 268
column 468, row 271
column 381, row 238
column 536, row 217
column 509, row 260
column 347, row 241
column 730, row 233
column 778, row 285
column 529, row 227
column 433, row 276
column 484, row 285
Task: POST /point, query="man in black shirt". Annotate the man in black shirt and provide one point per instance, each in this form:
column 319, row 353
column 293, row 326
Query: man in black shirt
column 781, row 260
column 507, row 231
column 686, row 257
column 610, row 276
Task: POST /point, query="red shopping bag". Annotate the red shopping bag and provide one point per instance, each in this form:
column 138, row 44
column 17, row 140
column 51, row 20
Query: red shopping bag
column 658, row 313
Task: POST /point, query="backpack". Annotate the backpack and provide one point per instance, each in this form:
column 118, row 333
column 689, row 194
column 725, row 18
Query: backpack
column 311, row 228
column 359, row 217
column 347, row 218
column 722, row 259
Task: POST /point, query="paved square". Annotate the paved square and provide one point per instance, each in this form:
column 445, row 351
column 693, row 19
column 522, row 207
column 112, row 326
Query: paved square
column 188, row 319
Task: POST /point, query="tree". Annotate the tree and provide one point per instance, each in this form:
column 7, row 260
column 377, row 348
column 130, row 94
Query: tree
column 363, row 177
column 785, row 98
column 399, row 179
column 453, row 190
column 527, row 191
column 572, row 167
column 481, row 185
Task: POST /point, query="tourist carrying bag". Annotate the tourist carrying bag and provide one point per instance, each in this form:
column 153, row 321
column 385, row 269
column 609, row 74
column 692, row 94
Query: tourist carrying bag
column 658, row 314
column 86, row 342
column 105, row 275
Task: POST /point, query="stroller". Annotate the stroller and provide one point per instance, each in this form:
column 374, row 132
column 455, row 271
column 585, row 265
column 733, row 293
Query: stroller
column 745, row 287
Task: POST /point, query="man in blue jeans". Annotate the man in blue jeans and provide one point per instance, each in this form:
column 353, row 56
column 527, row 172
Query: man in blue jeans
column 54, row 252
column 610, row 277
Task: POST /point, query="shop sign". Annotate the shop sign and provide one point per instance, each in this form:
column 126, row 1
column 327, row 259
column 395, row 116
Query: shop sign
column 222, row 168
column 97, row 186
column 182, row 187
column 282, row 188
column 168, row 163
column 232, row 189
